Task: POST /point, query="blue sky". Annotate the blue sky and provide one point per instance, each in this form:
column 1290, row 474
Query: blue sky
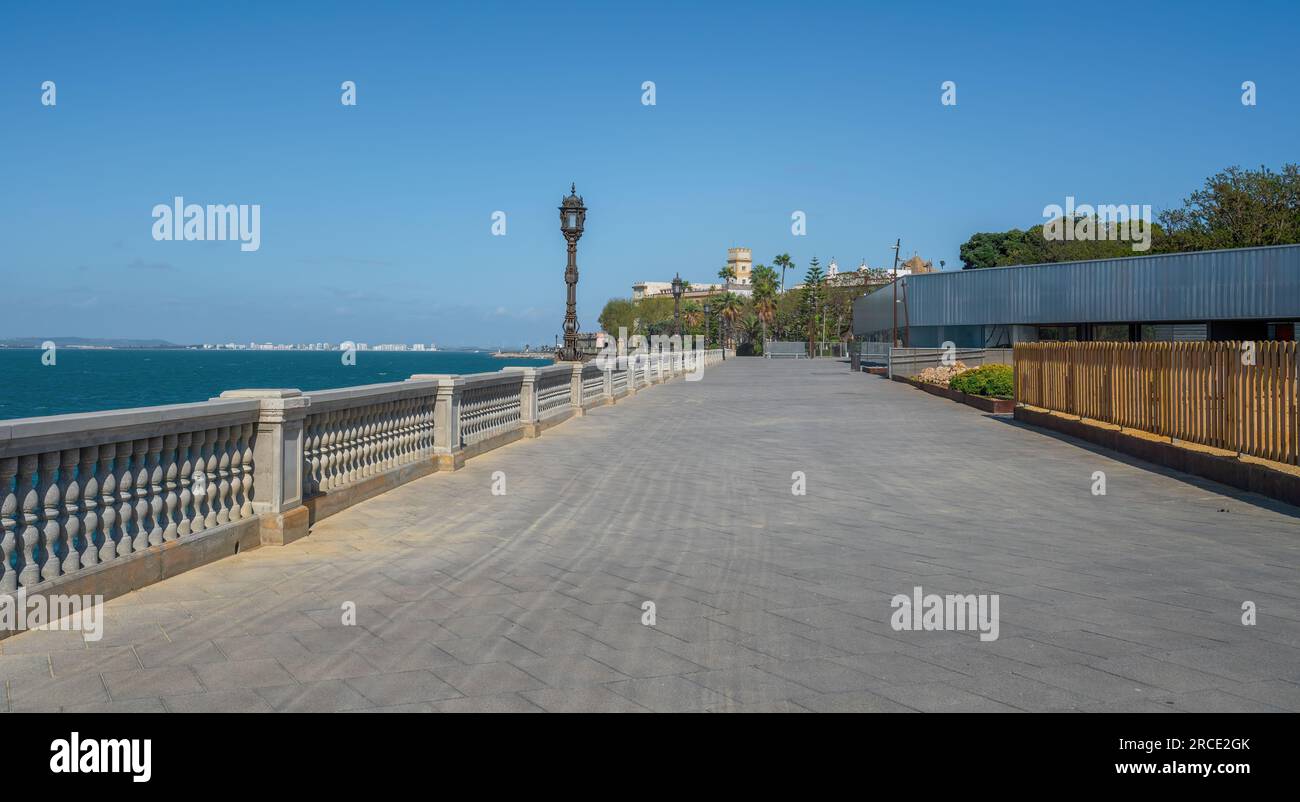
column 376, row 219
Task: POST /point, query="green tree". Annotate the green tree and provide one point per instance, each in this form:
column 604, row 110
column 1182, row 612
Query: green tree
column 813, row 300
column 1237, row 208
column 618, row 312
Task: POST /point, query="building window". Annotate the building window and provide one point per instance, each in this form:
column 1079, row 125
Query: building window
column 1058, row 333
column 1110, row 332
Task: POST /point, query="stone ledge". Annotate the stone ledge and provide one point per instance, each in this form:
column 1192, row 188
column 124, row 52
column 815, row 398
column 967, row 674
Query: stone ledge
column 281, row 529
column 140, row 569
column 324, row 505
column 496, row 441
column 554, row 420
column 1272, row 479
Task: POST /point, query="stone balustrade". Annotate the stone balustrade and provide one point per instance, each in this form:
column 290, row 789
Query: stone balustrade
column 107, row 502
column 80, row 493
column 554, row 392
column 354, row 433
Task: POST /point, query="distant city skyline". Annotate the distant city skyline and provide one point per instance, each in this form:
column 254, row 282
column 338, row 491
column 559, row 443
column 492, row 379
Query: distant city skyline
column 376, row 219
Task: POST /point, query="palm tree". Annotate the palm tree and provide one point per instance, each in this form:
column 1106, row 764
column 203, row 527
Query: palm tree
column 730, row 307
column 727, row 274
column 751, row 325
column 764, row 282
column 693, row 314
column 784, row 262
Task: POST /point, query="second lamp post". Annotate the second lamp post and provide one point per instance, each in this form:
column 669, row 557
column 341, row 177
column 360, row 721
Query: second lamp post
column 677, row 302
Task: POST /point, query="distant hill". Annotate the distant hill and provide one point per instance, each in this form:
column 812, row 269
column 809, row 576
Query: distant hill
column 84, row 342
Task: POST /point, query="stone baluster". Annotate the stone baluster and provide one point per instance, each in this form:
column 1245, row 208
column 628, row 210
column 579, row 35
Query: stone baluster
column 355, row 451
column 401, row 431
column 383, row 411
column 365, row 442
column 210, row 478
column 153, row 463
column 199, row 449
column 143, row 519
column 394, row 439
column 222, row 456
column 8, row 523
column 321, row 454
column 171, row 498
column 357, row 441
column 89, row 481
column 125, row 493
column 184, row 478
column 393, row 434
column 70, row 511
column 236, row 473
column 29, row 500
column 312, row 444
column 107, row 501
column 246, row 464
column 345, row 472
column 50, row 513
column 418, row 420
column 329, row 454
column 374, row 460
column 356, row 432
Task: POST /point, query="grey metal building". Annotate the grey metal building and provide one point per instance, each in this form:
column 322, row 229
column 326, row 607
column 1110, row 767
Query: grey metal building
column 1244, row 293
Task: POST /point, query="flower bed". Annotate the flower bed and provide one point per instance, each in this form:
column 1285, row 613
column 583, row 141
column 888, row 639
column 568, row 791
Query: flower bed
column 992, row 381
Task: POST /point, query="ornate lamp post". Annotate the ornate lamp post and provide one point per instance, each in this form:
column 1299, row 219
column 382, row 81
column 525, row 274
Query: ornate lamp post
column 677, row 301
column 572, row 217
column 708, row 323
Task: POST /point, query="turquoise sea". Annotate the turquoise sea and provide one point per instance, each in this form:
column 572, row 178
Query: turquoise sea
column 89, row 380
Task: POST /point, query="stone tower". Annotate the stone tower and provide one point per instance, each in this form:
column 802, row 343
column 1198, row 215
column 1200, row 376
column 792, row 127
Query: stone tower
column 740, row 260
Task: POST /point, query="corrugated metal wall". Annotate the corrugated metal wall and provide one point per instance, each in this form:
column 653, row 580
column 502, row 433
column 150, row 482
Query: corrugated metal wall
column 1245, row 283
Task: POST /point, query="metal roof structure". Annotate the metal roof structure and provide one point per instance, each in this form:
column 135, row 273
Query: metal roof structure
column 1237, row 284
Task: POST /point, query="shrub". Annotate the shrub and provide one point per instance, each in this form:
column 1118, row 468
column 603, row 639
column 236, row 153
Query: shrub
column 994, row 381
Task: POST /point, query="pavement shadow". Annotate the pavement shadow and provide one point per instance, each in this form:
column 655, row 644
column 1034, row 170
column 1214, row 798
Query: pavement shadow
column 1200, row 482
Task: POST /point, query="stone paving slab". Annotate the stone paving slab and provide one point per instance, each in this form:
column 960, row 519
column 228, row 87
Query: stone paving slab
column 765, row 600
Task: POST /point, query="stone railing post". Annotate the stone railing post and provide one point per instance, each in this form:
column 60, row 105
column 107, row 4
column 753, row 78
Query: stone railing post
column 631, row 375
column 608, row 384
column 277, row 464
column 448, row 452
column 575, row 389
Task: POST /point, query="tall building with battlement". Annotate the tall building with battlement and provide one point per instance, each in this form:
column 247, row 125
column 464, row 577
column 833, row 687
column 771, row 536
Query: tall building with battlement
column 740, row 260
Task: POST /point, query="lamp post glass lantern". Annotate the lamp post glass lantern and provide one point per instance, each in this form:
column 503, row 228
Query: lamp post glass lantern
column 573, row 216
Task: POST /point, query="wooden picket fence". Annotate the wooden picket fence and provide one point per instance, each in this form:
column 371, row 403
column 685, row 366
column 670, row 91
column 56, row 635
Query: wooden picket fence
column 1231, row 395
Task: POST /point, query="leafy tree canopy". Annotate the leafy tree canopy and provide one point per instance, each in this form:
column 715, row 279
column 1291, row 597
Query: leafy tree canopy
column 1235, row 208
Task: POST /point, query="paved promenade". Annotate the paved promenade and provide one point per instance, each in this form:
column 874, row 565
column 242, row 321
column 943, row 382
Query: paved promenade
column 765, row 600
